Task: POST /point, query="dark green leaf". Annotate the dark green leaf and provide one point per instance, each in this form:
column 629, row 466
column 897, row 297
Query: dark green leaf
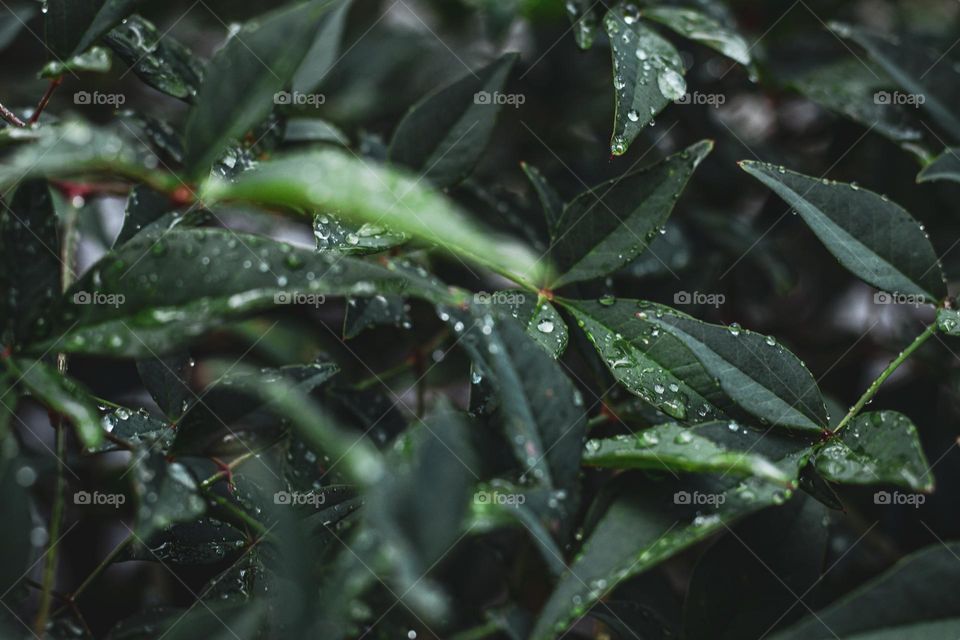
column 921, row 585
column 156, row 58
column 946, row 166
column 948, row 321
column 550, row 200
column 246, row 74
column 534, row 313
column 63, row 395
column 674, row 447
column 324, row 52
column 647, row 74
column 871, row 236
column 702, row 28
column 583, row 17
column 363, row 313
column 331, row 180
column 201, row 542
column 94, row 60
column 13, row 21
column 877, row 447
column 144, row 206
column 15, row 478
column 167, row 380
column 610, row 225
column 167, row 493
column 443, row 136
column 137, row 428
column 332, row 234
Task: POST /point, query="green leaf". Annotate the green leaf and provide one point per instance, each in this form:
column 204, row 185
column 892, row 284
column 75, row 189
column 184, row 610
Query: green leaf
column 108, row 15
column 651, row 519
column 877, row 447
column 130, row 304
column 201, row 542
column 946, row 166
column 534, row 313
column 444, row 135
column 137, row 428
column 365, row 193
column 144, row 206
column 550, row 200
column 363, row 313
column 702, row 28
column 156, row 58
column 851, row 87
column 29, row 261
column 17, row 551
column 651, row 363
column 948, row 321
column 323, row 53
column 749, row 581
column 94, row 60
column 917, row 68
column 314, row 130
column 583, row 17
column 755, row 371
column 874, row 238
column 647, row 74
column 13, row 21
column 673, row 447
column 924, row 580
column 63, row 395
column 332, row 234
column 607, row 227
column 254, row 65
column 167, row 493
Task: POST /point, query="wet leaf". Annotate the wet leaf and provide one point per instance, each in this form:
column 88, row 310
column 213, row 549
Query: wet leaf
column 583, row 17
column 137, row 428
column 200, row 542
column 62, row 395
column 444, row 135
column 948, row 321
column 535, row 313
column 94, row 60
column 333, row 234
column 605, row 228
column 550, row 200
column 144, row 207
column 873, row 237
column 166, row 492
column 877, row 447
column 702, row 28
column 71, row 26
column 364, row 313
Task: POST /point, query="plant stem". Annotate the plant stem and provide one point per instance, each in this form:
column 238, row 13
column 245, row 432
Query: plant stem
column 100, row 568
column 54, row 83
column 875, row 385
column 11, row 117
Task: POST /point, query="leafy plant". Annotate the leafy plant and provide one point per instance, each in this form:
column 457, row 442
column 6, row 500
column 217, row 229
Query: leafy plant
column 323, row 337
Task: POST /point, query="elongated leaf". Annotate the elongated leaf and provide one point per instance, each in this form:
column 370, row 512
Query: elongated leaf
column 702, row 28
column 751, row 578
column 919, row 69
column 333, row 234
column 63, row 395
column 924, row 579
column 29, row 261
column 246, row 74
column 877, row 447
column 17, row 550
column 946, row 166
column 874, row 238
column 443, row 136
column 650, row 520
column 156, row 58
column 144, row 206
column 323, row 53
column 363, row 313
column 647, row 74
column 677, row 448
column 333, row 180
column 550, row 200
column 94, row 60
column 756, row 372
column 535, row 313
column 66, row 22
column 583, row 17
column 130, row 305
column 610, row 225
column 651, row 363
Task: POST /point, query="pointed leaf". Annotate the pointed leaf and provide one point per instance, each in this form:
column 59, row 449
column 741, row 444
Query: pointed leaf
column 647, row 74
column 62, row 395
column 332, row 234
column 874, row 238
column 365, row 193
column 255, row 64
column 607, row 227
column 93, row 60
column 167, row 493
column 880, row 447
column 700, row 27
column 550, row 200
column 534, row 313
column 144, row 207
column 946, row 166
column 583, row 17
column 364, row 313
column 324, row 51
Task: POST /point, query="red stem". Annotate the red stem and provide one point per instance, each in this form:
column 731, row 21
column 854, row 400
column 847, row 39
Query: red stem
column 54, row 83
